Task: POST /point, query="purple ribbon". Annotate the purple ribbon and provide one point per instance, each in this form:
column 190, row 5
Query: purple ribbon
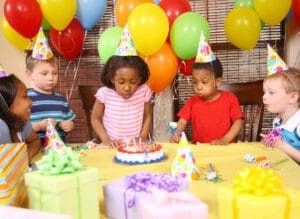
column 270, row 138
column 145, row 182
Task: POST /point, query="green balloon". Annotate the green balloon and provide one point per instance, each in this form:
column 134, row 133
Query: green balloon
column 108, row 42
column 185, row 34
column 244, row 3
column 45, row 24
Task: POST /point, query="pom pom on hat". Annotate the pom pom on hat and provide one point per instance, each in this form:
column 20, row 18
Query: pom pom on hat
column 126, row 45
column 41, row 49
column 2, row 72
column 274, row 63
column 204, row 53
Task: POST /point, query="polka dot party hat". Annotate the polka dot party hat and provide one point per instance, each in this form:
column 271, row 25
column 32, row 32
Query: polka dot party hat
column 126, row 45
column 274, row 63
column 184, row 163
column 52, row 140
column 204, row 53
column 2, row 71
column 41, row 49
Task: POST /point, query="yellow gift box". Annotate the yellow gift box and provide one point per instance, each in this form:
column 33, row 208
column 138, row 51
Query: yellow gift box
column 258, row 194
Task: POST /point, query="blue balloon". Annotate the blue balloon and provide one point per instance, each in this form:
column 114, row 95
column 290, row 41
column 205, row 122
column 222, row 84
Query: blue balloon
column 89, row 12
column 156, row 1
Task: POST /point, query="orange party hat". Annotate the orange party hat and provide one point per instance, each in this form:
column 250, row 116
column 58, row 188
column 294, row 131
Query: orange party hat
column 41, row 49
column 126, row 45
column 204, row 53
column 184, row 163
column 274, row 63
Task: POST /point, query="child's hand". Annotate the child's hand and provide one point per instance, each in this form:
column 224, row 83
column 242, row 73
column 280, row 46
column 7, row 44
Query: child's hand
column 112, row 143
column 66, row 125
column 175, row 138
column 42, row 125
column 222, row 141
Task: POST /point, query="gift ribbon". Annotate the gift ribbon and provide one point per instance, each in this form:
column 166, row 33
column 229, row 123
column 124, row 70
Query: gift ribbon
column 260, row 182
column 59, row 161
column 145, row 182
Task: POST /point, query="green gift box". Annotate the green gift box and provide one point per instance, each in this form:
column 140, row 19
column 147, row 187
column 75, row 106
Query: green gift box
column 74, row 194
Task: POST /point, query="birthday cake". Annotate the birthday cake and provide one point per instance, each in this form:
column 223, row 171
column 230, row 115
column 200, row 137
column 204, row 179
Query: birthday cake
column 139, row 153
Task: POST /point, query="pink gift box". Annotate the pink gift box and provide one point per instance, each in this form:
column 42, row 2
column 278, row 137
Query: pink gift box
column 122, row 202
column 23, row 213
column 173, row 206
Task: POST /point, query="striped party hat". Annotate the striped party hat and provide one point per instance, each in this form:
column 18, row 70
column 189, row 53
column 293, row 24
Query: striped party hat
column 126, row 45
column 204, row 53
column 274, row 63
column 41, row 49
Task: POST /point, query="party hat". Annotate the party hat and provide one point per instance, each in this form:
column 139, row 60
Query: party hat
column 126, row 45
column 52, row 140
column 184, row 162
column 204, row 53
column 275, row 63
column 41, row 49
column 2, row 71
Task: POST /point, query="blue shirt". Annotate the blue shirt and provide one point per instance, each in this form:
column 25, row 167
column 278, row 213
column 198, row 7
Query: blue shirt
column 290, row 131
column 53, row 106
column 5, row 134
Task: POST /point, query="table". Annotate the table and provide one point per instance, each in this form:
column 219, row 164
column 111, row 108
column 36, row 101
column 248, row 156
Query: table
column 227, row 160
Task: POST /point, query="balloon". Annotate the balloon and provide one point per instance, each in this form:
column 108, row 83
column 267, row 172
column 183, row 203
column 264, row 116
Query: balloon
column 296, row 9
column 69, row 42
column 24, row 16
column 242, row 28
column 272, row 11
column 185, row 34
column 124, row 8
column 16, row 39
column 108, row 42
column 244, row 3
column 59, row 13
column 163, row 67
column 149, row 27
column 185, row 67
column 174, row 8
column 89, row 12
column 45, row 24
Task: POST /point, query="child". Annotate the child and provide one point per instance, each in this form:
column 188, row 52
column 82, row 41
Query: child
column 216, row 116
column 46, row 103
column 15, row 115
column 122, row 110
column 282, row 96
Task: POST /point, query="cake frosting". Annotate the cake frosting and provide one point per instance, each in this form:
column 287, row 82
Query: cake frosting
column 139, row 153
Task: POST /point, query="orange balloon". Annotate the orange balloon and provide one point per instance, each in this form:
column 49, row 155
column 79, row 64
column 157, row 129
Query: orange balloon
column 124, row 8
column 163, row 67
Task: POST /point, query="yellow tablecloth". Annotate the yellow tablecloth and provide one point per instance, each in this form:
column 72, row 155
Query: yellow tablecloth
column 227, row 160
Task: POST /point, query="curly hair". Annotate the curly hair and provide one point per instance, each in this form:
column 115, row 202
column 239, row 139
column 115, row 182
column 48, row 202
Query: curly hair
column 116, row 62
column 8, row 92
column 215, row 67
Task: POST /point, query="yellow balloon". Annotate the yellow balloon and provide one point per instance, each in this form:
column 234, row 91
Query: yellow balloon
column 58, row 13
column 272, row 12
column 242, row 27
column 149, row 28
column 16, row 39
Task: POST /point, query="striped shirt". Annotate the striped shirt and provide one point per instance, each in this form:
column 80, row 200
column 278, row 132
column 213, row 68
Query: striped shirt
column 45, row 106
column 123, row 118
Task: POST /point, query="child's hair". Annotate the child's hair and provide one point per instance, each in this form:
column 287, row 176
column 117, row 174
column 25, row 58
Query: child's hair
column 8, row 92
column 290, row 80
column 32, row 62
column 215, row 67
column 116, row 62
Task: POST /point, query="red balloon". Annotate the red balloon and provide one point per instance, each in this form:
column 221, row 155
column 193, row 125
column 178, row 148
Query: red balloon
column 69, row 42
column 173, row 9
column 185, row 67
column 25, row 17
column 296, row 9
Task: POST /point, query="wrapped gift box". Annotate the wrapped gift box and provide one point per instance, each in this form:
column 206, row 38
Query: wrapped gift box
column 23, row 213
column 174, row 205
column 249, row 206
column 74, row 194
column 123, row 201
column 13, row 166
